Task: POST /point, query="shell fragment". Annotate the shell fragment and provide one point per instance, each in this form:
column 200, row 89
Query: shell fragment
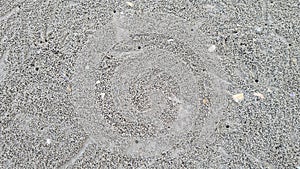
column 212, row 48
column 205, row 101
column 238, row 97
column 130, row 4
column 259, row 95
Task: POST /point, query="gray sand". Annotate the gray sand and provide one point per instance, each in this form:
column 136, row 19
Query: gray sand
column 149, row 84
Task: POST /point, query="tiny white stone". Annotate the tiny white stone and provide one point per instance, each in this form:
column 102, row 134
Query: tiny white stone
column 87, row 67
column 48, row 141
column 98, row 81
column 170, row 40
column 212, row 48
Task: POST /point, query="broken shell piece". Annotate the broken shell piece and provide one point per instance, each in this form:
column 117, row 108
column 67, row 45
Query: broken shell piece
column 130, row 4
column 294, row 60
column 238, row 97
column 212, row 48
column 259, row 95
column 69, row 89
column 48, row 141
column 258, row 29
column 207, row 6
column 205, row 101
